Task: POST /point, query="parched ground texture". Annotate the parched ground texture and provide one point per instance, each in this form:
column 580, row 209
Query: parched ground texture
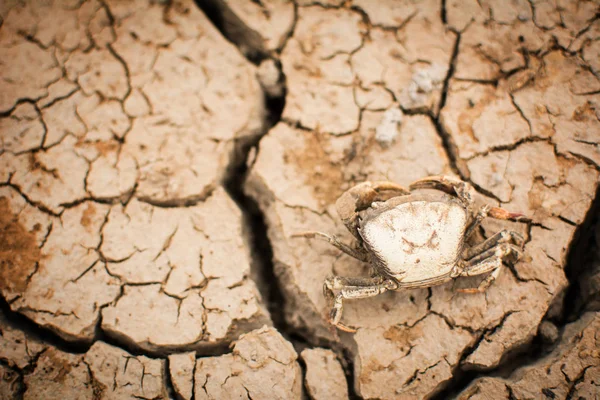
column 156, row 158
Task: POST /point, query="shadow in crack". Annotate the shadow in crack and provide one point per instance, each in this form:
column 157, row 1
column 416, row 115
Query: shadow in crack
column 583, row 264
column 37, row 332
column 250, row 44
column 247, row 40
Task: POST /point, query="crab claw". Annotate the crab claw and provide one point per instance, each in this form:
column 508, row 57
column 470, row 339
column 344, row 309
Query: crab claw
column 361, row 196
column 440, row 182
column 500, row 213
column 381, row 186
column 447, row 184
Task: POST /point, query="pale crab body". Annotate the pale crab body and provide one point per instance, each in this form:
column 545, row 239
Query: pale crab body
column 416, row 238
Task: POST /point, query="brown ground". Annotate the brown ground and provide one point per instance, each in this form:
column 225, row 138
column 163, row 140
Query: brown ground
column 134, row 261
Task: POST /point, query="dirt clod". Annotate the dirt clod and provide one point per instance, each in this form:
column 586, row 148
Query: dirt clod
column 324, row 375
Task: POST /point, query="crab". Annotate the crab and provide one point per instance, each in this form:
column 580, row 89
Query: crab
column 416, row 238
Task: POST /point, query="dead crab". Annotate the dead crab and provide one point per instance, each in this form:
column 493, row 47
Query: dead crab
column 416, row 238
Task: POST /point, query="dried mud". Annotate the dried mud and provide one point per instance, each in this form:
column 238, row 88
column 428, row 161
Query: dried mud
column 157, row 158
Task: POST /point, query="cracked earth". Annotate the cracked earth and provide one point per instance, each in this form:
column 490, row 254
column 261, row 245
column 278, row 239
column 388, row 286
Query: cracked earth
column 156, row 158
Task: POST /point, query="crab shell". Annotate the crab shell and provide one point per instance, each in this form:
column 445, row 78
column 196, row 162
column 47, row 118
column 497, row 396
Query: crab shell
column 415, row 237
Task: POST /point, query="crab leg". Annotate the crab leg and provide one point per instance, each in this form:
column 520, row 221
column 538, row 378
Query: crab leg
column 490, row 261
column 501, row 213
column 495, row 266
column 333, row 240
column 356, row 292
column 494, row 212
column 479, row 217
column 504, row 251
column 360, row 197
column 504, row 236
column 341, row 282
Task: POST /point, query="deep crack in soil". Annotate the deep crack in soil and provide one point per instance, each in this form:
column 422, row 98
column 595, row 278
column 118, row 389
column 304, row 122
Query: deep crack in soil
column 248, row 41
column 266, row 279
column 580, row 261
